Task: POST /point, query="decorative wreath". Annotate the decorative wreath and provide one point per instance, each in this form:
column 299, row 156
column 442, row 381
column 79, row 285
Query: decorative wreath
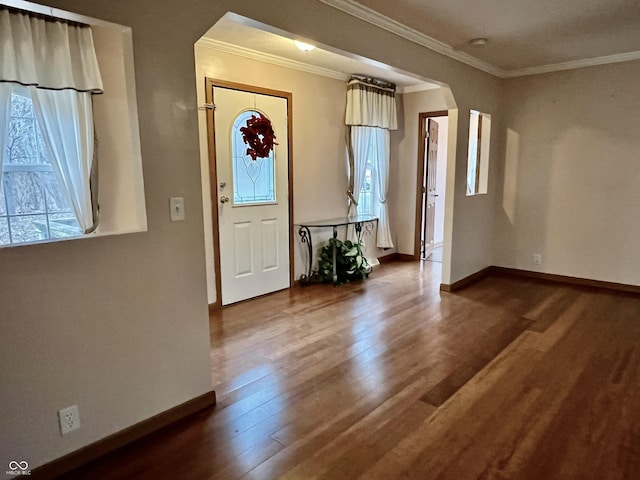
column 258, row 134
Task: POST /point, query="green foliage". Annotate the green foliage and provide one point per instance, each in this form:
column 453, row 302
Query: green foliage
column 351, row 263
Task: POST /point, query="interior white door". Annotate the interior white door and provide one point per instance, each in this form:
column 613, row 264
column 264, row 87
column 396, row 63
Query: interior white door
column 253, row 203
column 429, row 189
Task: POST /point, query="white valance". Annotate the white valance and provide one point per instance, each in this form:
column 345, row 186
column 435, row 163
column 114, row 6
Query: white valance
column 371, row 103
column 47, row 53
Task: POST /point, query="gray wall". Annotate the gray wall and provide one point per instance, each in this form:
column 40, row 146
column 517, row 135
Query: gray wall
column 119, row 325
column 570, row 181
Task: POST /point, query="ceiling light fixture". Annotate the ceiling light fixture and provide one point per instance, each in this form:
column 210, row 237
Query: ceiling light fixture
column 305, row 47
column 478, row 41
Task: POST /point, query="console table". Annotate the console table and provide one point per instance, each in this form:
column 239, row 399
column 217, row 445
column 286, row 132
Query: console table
column 362, row 224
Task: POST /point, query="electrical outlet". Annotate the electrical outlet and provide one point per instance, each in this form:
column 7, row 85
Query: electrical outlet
column 69, row 419
column 537, row 259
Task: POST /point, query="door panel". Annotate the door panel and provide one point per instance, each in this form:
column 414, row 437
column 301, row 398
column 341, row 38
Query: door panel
column 253, row 203
column 429, row 189
column 270, row 244
column 243, row 243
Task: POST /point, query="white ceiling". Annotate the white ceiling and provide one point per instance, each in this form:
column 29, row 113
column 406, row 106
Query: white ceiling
column 524, row 36
column 240, row 36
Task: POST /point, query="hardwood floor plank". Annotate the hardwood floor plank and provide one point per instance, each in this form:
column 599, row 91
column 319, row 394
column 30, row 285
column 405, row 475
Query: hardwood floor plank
column 507, row 379
column 360, row 454
column 347, row 446
column 475, row 361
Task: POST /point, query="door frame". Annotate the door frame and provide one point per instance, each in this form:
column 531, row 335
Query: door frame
column 210, row 83
column 422, row 126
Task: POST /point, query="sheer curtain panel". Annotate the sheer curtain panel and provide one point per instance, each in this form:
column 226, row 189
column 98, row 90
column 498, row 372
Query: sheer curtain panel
column 66, row 121
column 359, row 143
column 5, row 111
column 381, row 159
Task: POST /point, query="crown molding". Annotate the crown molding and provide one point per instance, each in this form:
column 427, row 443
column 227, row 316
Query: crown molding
column 352, row 8
column 293, row 64
column 371, row 16
column 587, row 62
column 269, row 58
column 365, row 13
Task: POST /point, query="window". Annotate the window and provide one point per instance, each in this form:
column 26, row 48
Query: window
column 367, row 190
column 367, row 195
column 37, row 189
column 46, row 129
column 370, row 114
column 32, row 207
column 253, row 180
column 478, row 155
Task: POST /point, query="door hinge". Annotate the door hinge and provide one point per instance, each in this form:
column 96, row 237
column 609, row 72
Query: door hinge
column 208, row 106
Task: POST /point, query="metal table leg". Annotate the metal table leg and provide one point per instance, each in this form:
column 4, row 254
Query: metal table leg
column 305, row 237
column 335, row 266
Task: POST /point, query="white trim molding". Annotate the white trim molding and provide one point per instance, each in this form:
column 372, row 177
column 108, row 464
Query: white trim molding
column 587, row 62
column 382, row 21
column 369, row 15
column 417, row 88
column 269, row 58
column 231, row 49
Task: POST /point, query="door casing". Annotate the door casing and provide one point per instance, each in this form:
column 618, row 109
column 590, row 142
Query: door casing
column 213, row 176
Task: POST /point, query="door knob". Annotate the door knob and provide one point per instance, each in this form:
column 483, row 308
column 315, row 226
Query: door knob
column 224, row 199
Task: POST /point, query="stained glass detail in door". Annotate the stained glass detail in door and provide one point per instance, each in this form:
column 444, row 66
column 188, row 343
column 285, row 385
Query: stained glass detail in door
column 253, row 180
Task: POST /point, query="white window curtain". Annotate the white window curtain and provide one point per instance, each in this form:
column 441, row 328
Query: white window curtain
column 381, row 162
column 359, row 143
column 57, row 60
column 371, row 108
column 371, row 103
column 66, row 121
column 48, row 53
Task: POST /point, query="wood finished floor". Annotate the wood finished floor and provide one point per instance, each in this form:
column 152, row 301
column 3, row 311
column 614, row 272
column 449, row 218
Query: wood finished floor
column 389, row 378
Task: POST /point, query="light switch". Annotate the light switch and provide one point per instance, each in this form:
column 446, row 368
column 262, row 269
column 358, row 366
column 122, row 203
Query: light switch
column 177, row 209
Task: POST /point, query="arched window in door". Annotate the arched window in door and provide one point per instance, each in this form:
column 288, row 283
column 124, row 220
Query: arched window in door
column 253, row 180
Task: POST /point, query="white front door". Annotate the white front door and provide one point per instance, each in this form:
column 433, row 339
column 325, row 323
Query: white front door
column 252, row 196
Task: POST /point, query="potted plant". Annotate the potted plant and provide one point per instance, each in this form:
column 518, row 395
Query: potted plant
column 351, row 263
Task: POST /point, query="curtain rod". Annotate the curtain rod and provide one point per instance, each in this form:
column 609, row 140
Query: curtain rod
column 373, row 81
column 43, row 16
